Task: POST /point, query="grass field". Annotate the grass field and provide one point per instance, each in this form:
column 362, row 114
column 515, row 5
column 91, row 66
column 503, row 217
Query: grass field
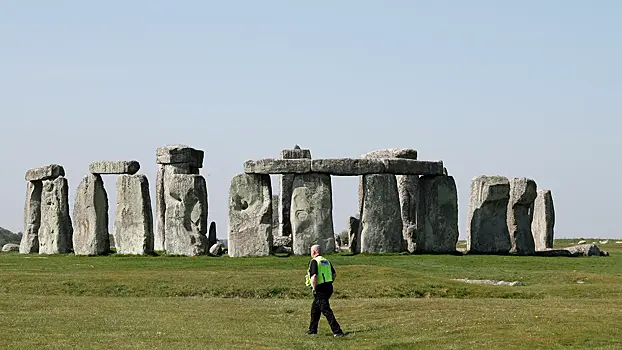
column 383, row 302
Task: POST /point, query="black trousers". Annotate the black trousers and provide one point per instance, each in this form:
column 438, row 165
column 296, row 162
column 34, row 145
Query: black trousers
column 321, row 306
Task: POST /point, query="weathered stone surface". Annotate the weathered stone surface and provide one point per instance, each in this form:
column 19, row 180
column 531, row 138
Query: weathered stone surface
column 10, row 247
column 381, row 218
column 47, row 172
column 286, row 182
column 186, row 215
column 409, row 190
column 174, row 154
column 406, row 153
column 543, row 223
column 275, row 214
column 162, row 181
column 400, row 166
column 211, row 235
column 439, row 201
column 133, row 224
column 353, row 234
column 114, row 167
column 296, row 153
column 522, row 195
column 277, row 166
column 312, row 213
column 487, row 229
column 90, row 213
column 250, row 216
column 282, row 244
column 216, row 249
column 586, row 250
column 347, row 166
column 55, row 233
column 32, row 218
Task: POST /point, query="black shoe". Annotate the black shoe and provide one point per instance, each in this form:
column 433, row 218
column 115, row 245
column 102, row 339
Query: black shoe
column 311, row 332
column 340, row 334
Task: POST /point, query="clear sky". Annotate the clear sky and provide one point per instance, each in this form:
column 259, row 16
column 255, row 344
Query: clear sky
column 520, row 88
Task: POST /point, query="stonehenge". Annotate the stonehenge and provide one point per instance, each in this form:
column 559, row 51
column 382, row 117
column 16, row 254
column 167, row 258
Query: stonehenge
column 47, row 223
column 405, row 205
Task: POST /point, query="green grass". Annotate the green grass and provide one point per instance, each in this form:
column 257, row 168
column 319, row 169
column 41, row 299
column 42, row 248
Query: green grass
column 386, row 302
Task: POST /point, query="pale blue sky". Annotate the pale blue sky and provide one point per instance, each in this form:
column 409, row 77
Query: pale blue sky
column 521, row 88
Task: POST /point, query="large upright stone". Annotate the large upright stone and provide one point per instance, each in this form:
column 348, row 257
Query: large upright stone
column 487, row 229
column 163, row 179
column 90, row 213
column 312, row 213
column 353, row 232
column 55, row 233
column 211, row 235
column 47, row 172
column 409, row 191
column 250, row 216
column 32, row 218
column 275, row 215
column 133, row 224
column 439, row 200
column 522, row 194
column 130, row 167
column 543, row 223
column 186, row 215
column 286, row 183
column 381, row 218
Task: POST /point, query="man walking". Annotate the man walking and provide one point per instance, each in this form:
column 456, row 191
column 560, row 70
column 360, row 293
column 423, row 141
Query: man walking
column 320, row 276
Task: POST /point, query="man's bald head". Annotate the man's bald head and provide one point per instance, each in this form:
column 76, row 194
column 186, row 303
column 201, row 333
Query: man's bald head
column 315, row 250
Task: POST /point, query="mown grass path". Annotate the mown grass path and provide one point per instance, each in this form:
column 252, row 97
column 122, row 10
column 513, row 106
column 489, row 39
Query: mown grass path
column 385, row 302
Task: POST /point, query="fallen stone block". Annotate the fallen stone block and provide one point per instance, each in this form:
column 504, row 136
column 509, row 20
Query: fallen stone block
column 10, row 247
column 173, row 154
column 130, row 167
column 47, row 172
column 487, row 229
column 277, row 166
column 90, row 213
column 586, row 250
column 133, row 224
column 519, row 215
column 250, row 216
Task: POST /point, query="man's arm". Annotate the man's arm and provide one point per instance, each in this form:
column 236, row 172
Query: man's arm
column 314, row 282
column 313, row 274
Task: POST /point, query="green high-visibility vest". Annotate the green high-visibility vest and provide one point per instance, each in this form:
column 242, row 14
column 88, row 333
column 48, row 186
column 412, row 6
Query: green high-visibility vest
column 324, row 271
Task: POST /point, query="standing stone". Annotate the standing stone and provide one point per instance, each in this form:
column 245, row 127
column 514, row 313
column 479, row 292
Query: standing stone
column 275, row 215
column 523, row 192
column 287, row 181
column 409, row 191
column 543, row 220
column 312, row 213
column 90, row 213
column 186, row 215
column 55, row 233
column 133, row 224
column 250, row 216
column 487, row 229
column 353, row 232
column 211, row 236
column 32, row 218
column 165, row 171
column 439, row 200
column 381, row 218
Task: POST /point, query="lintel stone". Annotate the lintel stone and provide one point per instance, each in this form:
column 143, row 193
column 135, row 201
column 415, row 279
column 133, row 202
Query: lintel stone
column 129, row 167
column 47, row 172
column 174, row 154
